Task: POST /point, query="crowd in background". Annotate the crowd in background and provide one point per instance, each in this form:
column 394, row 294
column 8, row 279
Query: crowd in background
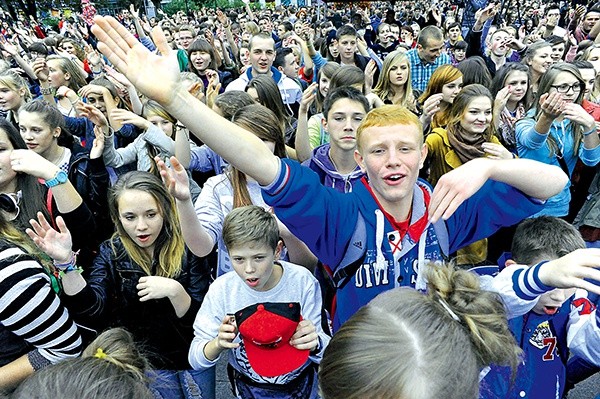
column 143, row 201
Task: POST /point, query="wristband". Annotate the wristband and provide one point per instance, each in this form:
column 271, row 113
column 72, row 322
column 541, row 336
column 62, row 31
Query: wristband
column 73, row 268
column 45, row 91
column 70, row 263
column 593, row 130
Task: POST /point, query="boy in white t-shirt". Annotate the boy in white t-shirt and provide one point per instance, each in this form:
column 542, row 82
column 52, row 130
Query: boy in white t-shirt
column 282, row 359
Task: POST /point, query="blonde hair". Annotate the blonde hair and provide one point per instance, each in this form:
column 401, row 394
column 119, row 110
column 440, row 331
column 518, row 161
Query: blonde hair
column 77, row 80
column 15, row 82
column 169, row 246
column 388, row 115
column 117, row 346
column 252, row 27
column 404, row 344
column 384, row 87
column 110, row 367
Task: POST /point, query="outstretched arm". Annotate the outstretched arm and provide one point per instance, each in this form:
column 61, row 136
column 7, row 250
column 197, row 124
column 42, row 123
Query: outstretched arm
column 245, row 151
column 535, row 179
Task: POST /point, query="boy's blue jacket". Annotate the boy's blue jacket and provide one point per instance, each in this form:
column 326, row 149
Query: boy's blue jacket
column 341, row 228
column 542, row 373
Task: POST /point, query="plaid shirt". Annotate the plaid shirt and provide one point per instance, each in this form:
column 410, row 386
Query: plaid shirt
column 421, row 73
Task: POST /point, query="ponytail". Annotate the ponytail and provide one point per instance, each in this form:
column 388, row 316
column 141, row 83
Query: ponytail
column 414, row 346
column 482, row 313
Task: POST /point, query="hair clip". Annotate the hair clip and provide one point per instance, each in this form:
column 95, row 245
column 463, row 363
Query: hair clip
column 450, row 311
column 100, row 354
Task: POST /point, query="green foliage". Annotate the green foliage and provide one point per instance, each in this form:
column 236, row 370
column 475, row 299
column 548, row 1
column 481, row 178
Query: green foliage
column 51, row 22
column 179, row 5
column 228, row 4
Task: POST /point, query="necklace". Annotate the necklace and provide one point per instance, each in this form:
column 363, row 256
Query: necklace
column 59, row 159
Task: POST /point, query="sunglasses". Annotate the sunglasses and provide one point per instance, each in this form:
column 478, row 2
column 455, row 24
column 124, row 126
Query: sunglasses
column 10, row 203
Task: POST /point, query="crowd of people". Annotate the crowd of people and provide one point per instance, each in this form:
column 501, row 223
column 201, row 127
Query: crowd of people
column 395, row 201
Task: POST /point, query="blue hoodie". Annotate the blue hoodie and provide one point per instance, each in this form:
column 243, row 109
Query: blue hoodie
column 321, row 163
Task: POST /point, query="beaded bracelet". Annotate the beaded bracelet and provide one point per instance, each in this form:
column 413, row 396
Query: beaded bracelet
column 45, row 91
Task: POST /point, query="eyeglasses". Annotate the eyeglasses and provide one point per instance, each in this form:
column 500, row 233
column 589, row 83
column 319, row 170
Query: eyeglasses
column 10, row 203
column 564, row 88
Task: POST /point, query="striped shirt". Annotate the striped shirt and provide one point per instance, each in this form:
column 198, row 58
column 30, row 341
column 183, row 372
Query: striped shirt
column 31, row 310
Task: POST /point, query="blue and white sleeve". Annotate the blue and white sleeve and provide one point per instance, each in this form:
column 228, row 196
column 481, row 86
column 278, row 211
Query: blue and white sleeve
column 583, row 328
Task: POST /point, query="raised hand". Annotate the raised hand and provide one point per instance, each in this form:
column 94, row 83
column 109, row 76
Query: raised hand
column 30, row 162
column 174, row 178
column 455, row 187
column 308, row 97
column 370, row 75
column 98, row 144
column 124, row 116
column 56, row 244
column 305, row 337
column 136, row 62
column 227, row 333
column 40, row 69
column 576, row 113
column 213, row 88
column 155, row 287
column 431, row 106
column 93, row 114
column 552, row 104
column 501, row 99
column 575, row 270
column 496, row 151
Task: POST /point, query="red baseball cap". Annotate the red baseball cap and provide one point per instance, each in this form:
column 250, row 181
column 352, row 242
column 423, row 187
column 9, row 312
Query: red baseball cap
column 266, row 330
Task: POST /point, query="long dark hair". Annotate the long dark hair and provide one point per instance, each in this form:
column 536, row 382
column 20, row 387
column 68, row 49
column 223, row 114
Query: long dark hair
column 499, row 81
column 32, row 192
column 203, row 46
column 544, row 86
column 52, row 116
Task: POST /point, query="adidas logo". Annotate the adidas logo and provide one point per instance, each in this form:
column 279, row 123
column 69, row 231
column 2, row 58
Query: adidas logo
column 358, row 244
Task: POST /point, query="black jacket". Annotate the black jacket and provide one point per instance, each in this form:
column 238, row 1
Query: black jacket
column 111, row 299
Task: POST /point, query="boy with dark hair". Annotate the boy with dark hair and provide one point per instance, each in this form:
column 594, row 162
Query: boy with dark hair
column 343, row 110
column 285, row 62
column 553, row 320
column 263, row 293
column 458, row 52
column 347, row 44
column 262, row 55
